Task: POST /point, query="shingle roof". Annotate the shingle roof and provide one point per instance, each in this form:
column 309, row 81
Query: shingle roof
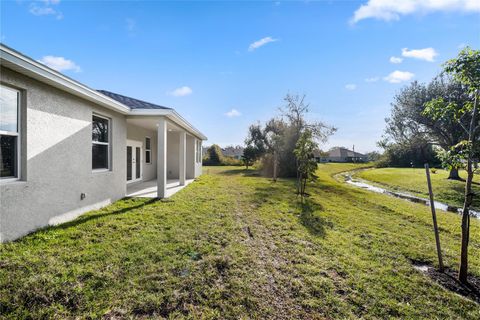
column 131, row 102
column 343, row 152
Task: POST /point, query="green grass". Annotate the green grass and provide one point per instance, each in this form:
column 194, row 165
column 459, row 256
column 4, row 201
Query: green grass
column 414, row 181
column 235, row 245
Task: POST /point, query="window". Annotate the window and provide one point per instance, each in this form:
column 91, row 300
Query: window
column 148, row 150
column 9, row 133
column 100, row 143
column 199, row 151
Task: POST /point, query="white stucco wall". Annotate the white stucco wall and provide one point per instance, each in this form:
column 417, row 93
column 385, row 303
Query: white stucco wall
column 173, row 155
column 198, row 165
column 190, row 157
column 58, row 160
column 139, row 134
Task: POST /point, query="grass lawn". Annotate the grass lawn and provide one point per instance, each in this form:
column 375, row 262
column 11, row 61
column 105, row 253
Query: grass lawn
column 235, row 245
column 414, row 181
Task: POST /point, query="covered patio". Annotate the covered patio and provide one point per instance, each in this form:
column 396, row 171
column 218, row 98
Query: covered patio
column 149, row 189
column 173, row 153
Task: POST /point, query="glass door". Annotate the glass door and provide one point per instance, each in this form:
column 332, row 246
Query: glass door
column 138, row 163
column 134, row 161
column 129, row 163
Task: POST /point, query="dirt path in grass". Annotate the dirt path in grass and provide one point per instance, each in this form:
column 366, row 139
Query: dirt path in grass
column 275, row 298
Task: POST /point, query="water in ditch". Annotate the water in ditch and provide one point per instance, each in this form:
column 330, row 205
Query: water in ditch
column 438, row 205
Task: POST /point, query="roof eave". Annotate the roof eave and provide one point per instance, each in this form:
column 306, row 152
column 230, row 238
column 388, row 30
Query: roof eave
column 172, row 115
column 31, row 68
column 18, row 62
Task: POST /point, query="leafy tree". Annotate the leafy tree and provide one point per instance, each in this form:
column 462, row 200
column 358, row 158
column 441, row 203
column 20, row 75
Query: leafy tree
column 465, row 69
column 256, row 138
column 276, row 141
column 373, row 155
column 250, row 154
column 307, row 165
column 415, row 151
column 274, row 133
column 412, row 128
column 213, row 156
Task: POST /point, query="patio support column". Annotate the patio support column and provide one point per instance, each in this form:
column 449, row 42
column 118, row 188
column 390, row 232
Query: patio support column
column 162, row 158
column 182, row 157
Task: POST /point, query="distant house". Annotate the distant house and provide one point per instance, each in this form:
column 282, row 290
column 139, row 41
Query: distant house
column 339, row 154
column 230, row 151
column 233, row 152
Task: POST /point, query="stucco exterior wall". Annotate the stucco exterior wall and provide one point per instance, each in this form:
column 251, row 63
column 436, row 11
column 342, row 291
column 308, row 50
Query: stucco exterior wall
column 190, row 157
column 58, row 160
column 136, row 133
column 198, row 165
column 173, row 155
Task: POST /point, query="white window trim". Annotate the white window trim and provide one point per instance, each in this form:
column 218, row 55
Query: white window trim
column 16, row 134
column 198, row 151
column 109, row 151
column 148, row 150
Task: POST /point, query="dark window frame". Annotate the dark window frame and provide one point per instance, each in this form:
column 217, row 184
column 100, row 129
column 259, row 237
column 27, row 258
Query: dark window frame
column 148, row 150
column 104, row 143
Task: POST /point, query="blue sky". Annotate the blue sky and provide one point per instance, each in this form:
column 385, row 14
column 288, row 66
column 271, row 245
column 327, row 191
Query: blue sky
column 225, row 65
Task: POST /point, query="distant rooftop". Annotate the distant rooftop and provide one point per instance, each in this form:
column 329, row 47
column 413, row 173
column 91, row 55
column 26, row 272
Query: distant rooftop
column 343, row 152
column 132, row 102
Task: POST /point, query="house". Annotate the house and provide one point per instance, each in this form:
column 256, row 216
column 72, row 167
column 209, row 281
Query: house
column 339, row 154
column 67, row 149
column 233, row 152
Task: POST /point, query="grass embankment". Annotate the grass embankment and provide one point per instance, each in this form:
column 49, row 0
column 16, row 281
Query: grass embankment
column 414, row 181
column 235, row 245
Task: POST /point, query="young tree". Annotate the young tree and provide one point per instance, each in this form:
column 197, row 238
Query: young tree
column 295, row 113
column 466, row 70
column 256, row 138
column 307, row 165
column 274, row 131
column 249, row 156
column 277, row 140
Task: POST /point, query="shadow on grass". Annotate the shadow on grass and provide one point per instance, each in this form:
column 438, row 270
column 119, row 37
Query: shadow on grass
column 243, row 171
column 86, row 218
column 308, row 210
column 310, row 219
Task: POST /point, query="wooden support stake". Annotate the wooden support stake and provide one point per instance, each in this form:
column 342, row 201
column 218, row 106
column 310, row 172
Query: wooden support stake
column 434, row 218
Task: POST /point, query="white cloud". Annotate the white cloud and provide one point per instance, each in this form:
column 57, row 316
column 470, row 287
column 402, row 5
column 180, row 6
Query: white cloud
column 233, row 113
column 389, row 10
column 49, row 2
column 60, row 64
column 427, row 54
column 396, row 60
column 181, row 92
column 351, row 86
column 131, row 25
column 259, row 43
column 45, row 9
column 372, row 79
column 399, row 76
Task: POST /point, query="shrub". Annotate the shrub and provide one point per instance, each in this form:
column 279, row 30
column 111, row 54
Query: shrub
column 214, row 157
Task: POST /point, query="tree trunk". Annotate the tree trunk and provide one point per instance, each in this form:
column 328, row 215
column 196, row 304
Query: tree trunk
column 462, row 274
column 453, row 175
column 298, row 175
column 275, row 162
column 463, row 270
